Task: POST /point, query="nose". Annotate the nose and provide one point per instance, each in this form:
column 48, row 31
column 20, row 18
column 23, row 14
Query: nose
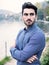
column 28, row 16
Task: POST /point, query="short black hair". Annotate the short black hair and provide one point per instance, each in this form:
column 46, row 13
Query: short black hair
column 29, row 5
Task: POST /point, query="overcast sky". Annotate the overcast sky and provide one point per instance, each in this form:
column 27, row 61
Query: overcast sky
column 15, row 5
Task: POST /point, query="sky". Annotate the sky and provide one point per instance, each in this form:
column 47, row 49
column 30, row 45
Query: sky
column 15, row 5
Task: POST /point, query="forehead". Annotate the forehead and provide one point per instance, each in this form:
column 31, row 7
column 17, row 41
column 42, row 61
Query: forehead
column 28, row 10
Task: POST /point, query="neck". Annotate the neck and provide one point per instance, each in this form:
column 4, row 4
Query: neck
column 29, row 26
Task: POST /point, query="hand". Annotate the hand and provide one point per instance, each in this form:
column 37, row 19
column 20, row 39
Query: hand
column 31, row 59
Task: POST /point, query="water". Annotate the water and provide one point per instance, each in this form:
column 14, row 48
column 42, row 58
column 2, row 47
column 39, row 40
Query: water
column 8, row 33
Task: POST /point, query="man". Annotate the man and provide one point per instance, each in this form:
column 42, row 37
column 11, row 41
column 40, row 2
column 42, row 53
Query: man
column 30, row 41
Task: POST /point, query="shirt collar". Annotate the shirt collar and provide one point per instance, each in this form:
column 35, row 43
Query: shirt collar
column 30, row 27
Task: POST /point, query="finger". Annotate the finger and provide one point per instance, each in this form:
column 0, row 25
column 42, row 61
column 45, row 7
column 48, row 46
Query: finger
column 29, row 61
column 35, row 57
column 32, row 59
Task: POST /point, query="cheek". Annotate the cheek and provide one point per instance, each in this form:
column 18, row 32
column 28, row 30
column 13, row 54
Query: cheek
column 24, row 18
column 33, row 17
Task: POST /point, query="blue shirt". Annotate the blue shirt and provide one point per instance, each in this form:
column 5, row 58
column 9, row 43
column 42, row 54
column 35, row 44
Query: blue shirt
column 29, row 42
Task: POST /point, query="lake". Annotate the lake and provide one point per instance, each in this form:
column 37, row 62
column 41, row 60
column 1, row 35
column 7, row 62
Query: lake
column 8, row 33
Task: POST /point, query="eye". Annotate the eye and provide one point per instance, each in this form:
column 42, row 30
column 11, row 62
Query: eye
column 25, row 14
column 31, row 14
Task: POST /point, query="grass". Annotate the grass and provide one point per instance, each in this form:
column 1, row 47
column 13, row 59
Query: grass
column 6, row 59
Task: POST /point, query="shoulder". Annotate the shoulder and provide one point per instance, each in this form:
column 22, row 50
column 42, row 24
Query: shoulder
column 20, row 31
column 38, row 31
column 38, row 34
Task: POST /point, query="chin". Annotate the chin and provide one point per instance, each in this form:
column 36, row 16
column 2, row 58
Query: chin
column 29, row 24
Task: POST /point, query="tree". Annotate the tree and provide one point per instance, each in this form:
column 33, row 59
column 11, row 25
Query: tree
column 38, row 5
column 40, row 14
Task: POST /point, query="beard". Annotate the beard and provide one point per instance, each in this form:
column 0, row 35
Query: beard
column 29, row 22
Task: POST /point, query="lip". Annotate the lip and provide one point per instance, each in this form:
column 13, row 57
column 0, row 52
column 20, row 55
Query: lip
column 29, row 21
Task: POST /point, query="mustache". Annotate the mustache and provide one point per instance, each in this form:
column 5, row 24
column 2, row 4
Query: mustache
column 29, row 20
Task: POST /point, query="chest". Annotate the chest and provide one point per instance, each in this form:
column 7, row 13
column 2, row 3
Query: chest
column 23, row 39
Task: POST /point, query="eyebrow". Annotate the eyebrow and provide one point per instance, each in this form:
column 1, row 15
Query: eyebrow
column 28, row 13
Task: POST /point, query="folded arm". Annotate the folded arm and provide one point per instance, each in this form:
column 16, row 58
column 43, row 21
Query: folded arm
column 31, row 48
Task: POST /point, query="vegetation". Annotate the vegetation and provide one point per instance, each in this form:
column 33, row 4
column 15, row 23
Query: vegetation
column 43, row 12
column 47, row 39
column 6, row 59
column 45, row 59
column 40, row 14
column 45, row 55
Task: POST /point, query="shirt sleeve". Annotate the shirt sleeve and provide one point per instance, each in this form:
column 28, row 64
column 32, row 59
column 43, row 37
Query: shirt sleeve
column 35, row 44
column 16, row 42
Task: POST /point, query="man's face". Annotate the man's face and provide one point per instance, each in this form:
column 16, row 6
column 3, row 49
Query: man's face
column 29, row 16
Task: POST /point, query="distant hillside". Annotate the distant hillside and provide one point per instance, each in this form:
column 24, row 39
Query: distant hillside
column 9, row 16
